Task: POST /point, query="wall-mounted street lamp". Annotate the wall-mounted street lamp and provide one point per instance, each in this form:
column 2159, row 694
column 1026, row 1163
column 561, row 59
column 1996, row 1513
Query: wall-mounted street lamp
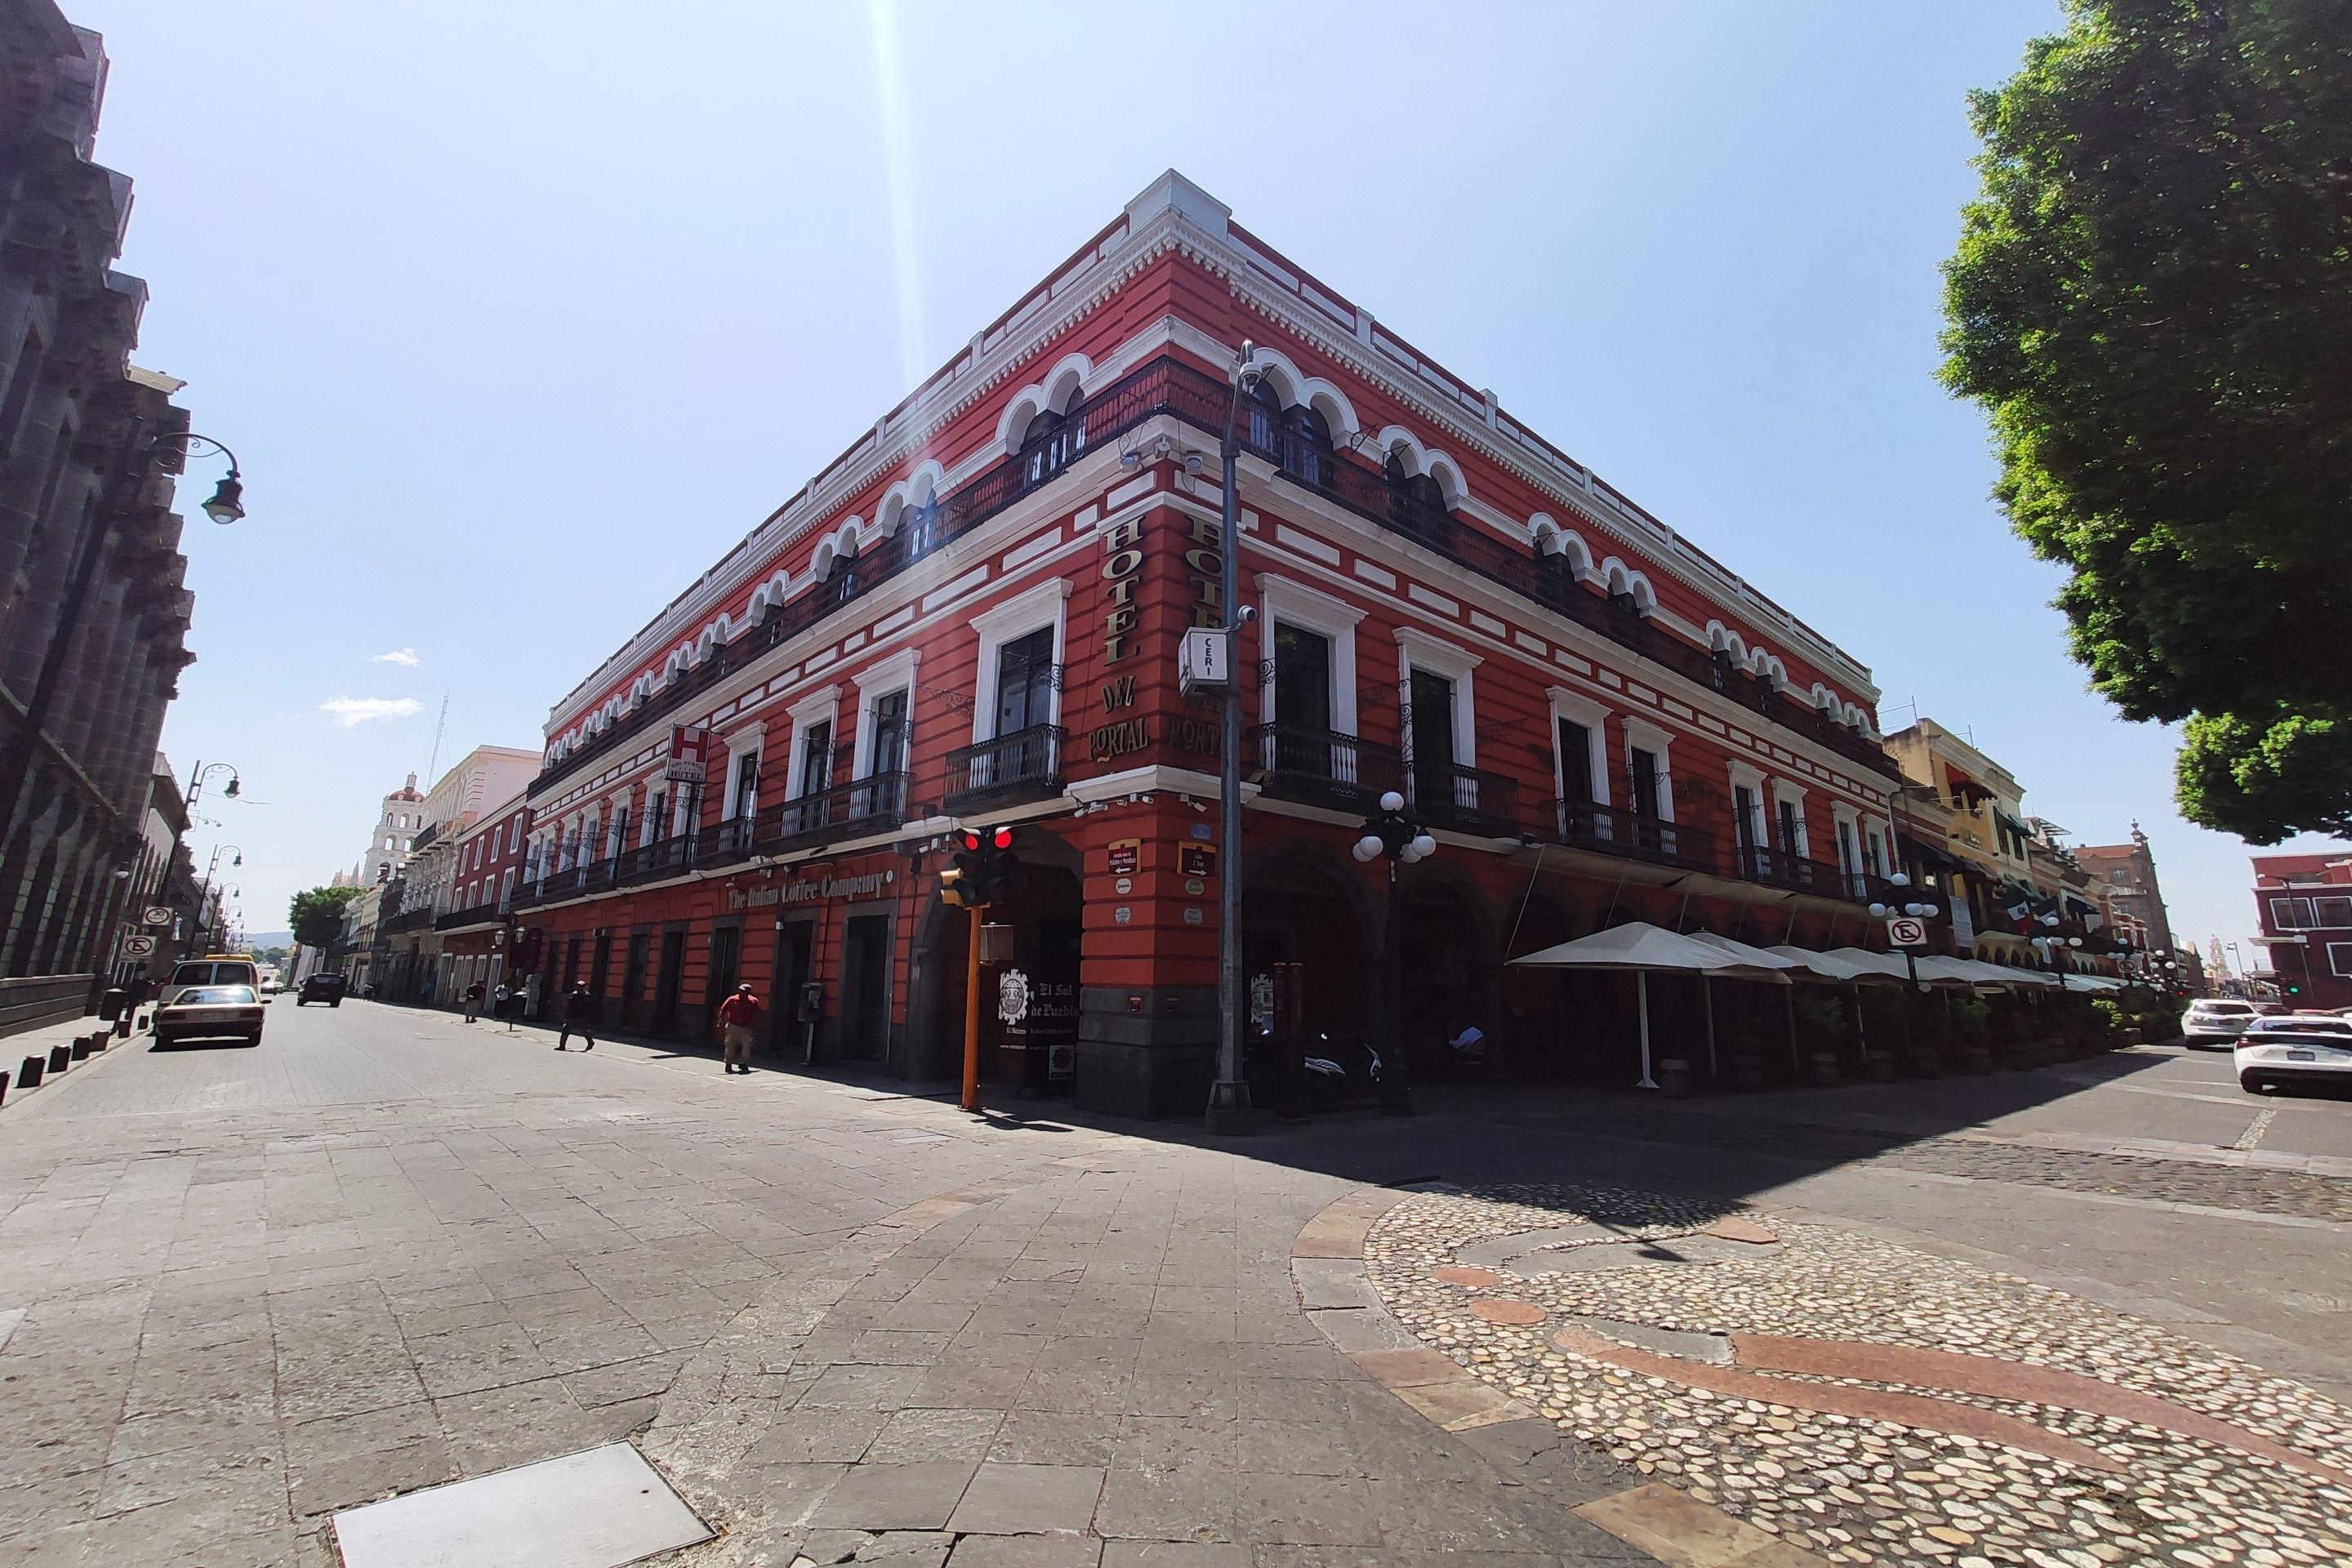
column 129, row 479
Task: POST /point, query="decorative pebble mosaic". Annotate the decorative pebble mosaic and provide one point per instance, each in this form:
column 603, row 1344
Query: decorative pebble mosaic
column 1851, row 1489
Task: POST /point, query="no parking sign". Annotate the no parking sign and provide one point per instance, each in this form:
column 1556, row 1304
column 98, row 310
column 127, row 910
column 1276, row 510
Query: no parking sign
column 1906, row 931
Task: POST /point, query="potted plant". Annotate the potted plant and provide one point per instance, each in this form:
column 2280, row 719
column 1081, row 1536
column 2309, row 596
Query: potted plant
column 1820, row 1026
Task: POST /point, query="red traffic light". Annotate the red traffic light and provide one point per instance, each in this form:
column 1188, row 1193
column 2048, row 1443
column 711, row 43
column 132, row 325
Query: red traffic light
column 1004, row 838
column 968, row 838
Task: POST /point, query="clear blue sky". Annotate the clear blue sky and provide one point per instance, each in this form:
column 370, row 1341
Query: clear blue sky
column 520, row 314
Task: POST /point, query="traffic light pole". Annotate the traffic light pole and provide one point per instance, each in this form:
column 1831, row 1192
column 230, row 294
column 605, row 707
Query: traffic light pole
column 971, row 1013
column 1229, row 1111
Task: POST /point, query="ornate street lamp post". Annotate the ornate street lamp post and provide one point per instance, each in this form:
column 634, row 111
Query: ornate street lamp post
column 1401, row 840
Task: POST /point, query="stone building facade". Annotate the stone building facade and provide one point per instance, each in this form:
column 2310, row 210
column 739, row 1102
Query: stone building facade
column 94, row 609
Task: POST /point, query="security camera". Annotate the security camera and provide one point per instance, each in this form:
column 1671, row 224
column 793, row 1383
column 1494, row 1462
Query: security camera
column 1246, row 614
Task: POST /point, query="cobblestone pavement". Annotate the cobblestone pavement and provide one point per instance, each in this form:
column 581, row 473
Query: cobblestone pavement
column 1864, row 1400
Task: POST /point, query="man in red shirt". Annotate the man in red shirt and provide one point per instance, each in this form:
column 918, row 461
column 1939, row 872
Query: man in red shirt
column 736, row 1017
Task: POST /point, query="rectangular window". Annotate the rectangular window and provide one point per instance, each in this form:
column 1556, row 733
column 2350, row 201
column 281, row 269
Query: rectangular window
column 745, row 800
column 889, row 751
column 1575, row 763
column 2339, row 959
column 1745, row 818
column 816, row 759
column 2291, row 915
column 1644, row 776
column 1788, row 827
column 1302, row 678
column 1849, row 861
column 1025, row 682
column 2333, row 912
column 654, row 820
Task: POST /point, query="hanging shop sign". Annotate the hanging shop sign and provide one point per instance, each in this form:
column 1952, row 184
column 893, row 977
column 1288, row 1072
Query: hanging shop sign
column 687, row 749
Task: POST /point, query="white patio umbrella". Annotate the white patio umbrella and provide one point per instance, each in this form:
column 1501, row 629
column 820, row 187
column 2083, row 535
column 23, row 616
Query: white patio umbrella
column 1831, row 966
column 1769, row 966
column 1644, row 949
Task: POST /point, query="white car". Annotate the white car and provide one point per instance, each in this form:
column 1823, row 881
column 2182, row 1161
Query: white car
column 2293, row 1049
column 2214, row 1024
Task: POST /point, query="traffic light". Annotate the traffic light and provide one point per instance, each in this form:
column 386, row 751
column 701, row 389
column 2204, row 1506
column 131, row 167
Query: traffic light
column 965, row 882
column 981, row 871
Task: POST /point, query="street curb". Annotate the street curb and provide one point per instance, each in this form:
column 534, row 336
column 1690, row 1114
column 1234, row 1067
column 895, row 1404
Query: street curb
column 20, row 1096
column 1327, row 1262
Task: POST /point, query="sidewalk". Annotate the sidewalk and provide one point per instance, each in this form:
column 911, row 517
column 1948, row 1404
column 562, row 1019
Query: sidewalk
column 39, row 1042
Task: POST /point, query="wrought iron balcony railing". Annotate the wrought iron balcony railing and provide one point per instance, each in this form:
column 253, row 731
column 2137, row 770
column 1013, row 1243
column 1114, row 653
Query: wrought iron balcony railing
column 1023, row 765
column 1322, row 767
column 477, row 915
column 1466, row 799
column 1777, row 867
column 1166, row 386
column 1580, row 825
column 870, row 805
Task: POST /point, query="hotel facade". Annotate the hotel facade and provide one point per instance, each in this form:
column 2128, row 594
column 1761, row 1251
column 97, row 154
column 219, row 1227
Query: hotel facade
column 972, row 618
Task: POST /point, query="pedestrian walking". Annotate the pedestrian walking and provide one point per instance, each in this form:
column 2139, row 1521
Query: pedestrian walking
column 502, row 1005
column 474, row 994
column 579, row 1017
column 736, row 1017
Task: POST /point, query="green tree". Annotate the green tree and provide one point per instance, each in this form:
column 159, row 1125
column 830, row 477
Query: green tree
column 2152, row 300
column 317, row 914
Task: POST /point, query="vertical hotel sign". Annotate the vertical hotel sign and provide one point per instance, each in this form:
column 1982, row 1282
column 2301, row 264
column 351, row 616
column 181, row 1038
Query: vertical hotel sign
column 1122, row 570
column 688, row 748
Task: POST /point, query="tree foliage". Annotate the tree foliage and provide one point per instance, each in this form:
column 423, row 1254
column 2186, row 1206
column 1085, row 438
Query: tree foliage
column 317, row 914
column 2152, row 299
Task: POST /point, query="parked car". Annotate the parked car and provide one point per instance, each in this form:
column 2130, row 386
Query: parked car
column 211, row 1012
column 324, row 986
column 2214, row 1024
column 213, row 969
column 2296, row 1049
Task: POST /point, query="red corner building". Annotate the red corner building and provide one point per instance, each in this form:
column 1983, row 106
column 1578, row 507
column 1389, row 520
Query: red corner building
column 2305, row 905
column 972, row 618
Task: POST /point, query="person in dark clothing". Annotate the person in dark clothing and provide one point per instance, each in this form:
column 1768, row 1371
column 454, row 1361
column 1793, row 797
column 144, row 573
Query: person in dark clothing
column 474, row 994
column 579, row 1017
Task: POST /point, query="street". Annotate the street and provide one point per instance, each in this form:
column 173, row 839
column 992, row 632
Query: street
column 245, row 1288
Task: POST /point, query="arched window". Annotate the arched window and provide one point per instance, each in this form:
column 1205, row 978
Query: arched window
column 1265, row 418
column 1050, row 442
column 1416, row 501
column 1307, row 452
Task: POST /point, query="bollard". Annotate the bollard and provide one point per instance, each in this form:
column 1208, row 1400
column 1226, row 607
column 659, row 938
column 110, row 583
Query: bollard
column 60, row 1058
column 98, row 1041
column 78, row 1051
column 4, row 1086
column 28, row 1073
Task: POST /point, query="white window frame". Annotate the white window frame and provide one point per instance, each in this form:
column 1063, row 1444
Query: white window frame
column 1579, row 709
column 1418, row 651
column 1792, row 795
column 1046, row 605
column 616, row 821
column 1751, row 778
column 2339, row 959
column 1283, row 601
column 749, row 741
column 1640, row 735
column 875, row 681
column 1841, row 818
column 821, row 706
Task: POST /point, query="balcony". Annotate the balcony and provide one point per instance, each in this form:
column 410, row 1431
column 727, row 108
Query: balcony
column 1787, row 868
column 872, row 804
column 418, row 919
column 1323, row 767
column 1466, row 799
column 468, row 919
column 1580, row 825
column 1167, row 387
column 1023, row 765
column 724, row 842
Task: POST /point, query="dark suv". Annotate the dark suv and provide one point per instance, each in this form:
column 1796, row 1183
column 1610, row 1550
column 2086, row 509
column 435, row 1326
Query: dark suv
column 324, row 986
